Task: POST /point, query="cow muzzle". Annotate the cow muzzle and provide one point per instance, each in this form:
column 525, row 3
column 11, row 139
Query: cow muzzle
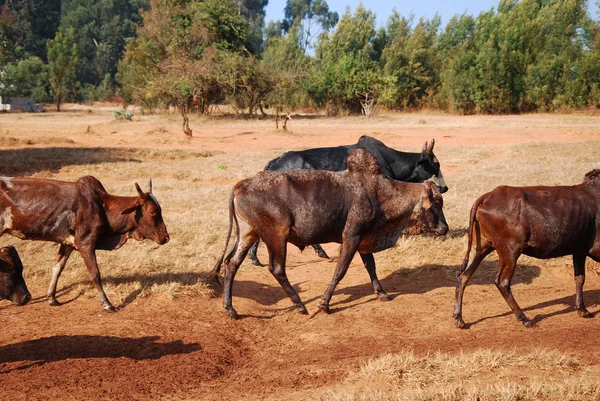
column 163, row 240
column 21, row 297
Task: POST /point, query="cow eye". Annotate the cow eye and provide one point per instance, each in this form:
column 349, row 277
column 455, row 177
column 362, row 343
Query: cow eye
column 152, row 213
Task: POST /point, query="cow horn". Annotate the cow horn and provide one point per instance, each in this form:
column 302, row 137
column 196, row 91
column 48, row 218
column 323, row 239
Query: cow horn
column 430, row 147
column 150, row 185
column 425, row 147
column 139, row 191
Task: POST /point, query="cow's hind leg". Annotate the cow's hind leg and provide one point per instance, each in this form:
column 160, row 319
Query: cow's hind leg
column 63, row 255
column 253, row 255
column 277, row 256
column 246, row 237
column 369, row 262
column 349, row 247
column 320, row 251
column 579, row 268
column 508, row 261
column 463, row 278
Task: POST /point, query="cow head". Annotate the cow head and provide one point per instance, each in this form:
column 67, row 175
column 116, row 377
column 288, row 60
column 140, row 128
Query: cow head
column 12, row 284
column 148, row 218
column 428, row 212
column 428, row 168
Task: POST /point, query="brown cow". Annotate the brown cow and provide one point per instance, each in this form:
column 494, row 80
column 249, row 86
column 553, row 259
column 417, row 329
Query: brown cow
column 78, row 215
column 12, row 285
column 542, row 222
column 359, row 208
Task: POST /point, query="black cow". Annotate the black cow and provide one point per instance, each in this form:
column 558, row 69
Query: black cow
column 401, row 166
column 12, row 285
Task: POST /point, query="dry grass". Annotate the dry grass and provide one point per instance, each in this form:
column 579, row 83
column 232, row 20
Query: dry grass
column 536, row 375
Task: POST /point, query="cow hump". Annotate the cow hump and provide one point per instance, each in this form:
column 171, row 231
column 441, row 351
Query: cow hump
column 592, row 177
column 363, row 162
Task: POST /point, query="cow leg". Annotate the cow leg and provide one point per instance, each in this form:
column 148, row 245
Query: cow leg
column 320, row 251
column 579, row 268
column 369, row 262
column 508, row 262
column 244, row 241
column 89, row 258
column 277, row 256
column 463, row 278
column 253, row 256
column 64, row 252
column 349, row 247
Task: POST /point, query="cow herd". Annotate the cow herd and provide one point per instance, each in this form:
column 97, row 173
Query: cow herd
column 363, row 196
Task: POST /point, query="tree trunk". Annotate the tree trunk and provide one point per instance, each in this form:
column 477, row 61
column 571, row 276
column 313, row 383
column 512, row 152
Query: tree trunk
column 186, row 121
column 58, row 101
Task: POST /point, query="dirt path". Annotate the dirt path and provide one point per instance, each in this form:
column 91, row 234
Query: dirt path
column 189, row 349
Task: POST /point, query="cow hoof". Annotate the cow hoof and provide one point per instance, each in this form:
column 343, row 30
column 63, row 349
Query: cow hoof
column 384, row 296
column 53, row 302
column 110, row 308
column 461, row 323
column 325, row 308
column 301, row 309
column 323, row 255
column 584, row 313
column 256, row 262
column 528, row 323
column 232, row 314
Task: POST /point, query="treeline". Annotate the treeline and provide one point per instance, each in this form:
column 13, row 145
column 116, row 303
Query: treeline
column 521, row 56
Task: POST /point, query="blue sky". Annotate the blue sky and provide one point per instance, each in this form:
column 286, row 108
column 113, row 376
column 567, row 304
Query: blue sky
column 422, row 8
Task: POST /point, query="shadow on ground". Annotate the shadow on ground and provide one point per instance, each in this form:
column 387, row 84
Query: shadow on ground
column 28, row 161
column 60, row 348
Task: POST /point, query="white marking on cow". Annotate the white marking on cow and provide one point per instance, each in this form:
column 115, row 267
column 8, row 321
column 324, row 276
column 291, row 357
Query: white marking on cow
column 7, row 219
column 7, row 181
column 69, row 240
column 438, row 180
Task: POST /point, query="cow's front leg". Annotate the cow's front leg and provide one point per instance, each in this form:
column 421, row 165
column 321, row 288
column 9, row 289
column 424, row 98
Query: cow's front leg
column 253, row 254
column 349, row 247
column 369, row 262
column 88, row 254
column 579, row 270
column 63, row 255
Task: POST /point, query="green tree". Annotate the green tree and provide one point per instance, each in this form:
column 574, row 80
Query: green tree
column 101, row 29
column 180, row 53
column 311, row 17
column 62, row 61
column 346, row 74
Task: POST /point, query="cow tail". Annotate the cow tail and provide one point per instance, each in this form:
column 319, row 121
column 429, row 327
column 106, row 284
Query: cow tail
column 217, row 268
column 472, row 222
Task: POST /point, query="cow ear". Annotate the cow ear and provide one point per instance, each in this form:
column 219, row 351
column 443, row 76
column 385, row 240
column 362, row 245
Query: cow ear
column 132, row 208
column 427, row 199
column 429, row 150
column 141, row 193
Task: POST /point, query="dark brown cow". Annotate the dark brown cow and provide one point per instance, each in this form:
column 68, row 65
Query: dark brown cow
column 359, row 208
column 542, row 222
column 12, row 285
column 78, row 215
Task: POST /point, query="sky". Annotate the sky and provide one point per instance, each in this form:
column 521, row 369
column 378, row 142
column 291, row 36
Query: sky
column 422, row 8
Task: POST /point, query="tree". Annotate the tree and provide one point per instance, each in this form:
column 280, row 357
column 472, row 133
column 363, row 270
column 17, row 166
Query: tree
column 312, row 17
column 346, row 74
column 63, row 61
column 101, row 29
column 178, row 57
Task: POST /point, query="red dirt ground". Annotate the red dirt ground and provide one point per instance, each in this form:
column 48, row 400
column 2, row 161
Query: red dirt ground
column 189, row 349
